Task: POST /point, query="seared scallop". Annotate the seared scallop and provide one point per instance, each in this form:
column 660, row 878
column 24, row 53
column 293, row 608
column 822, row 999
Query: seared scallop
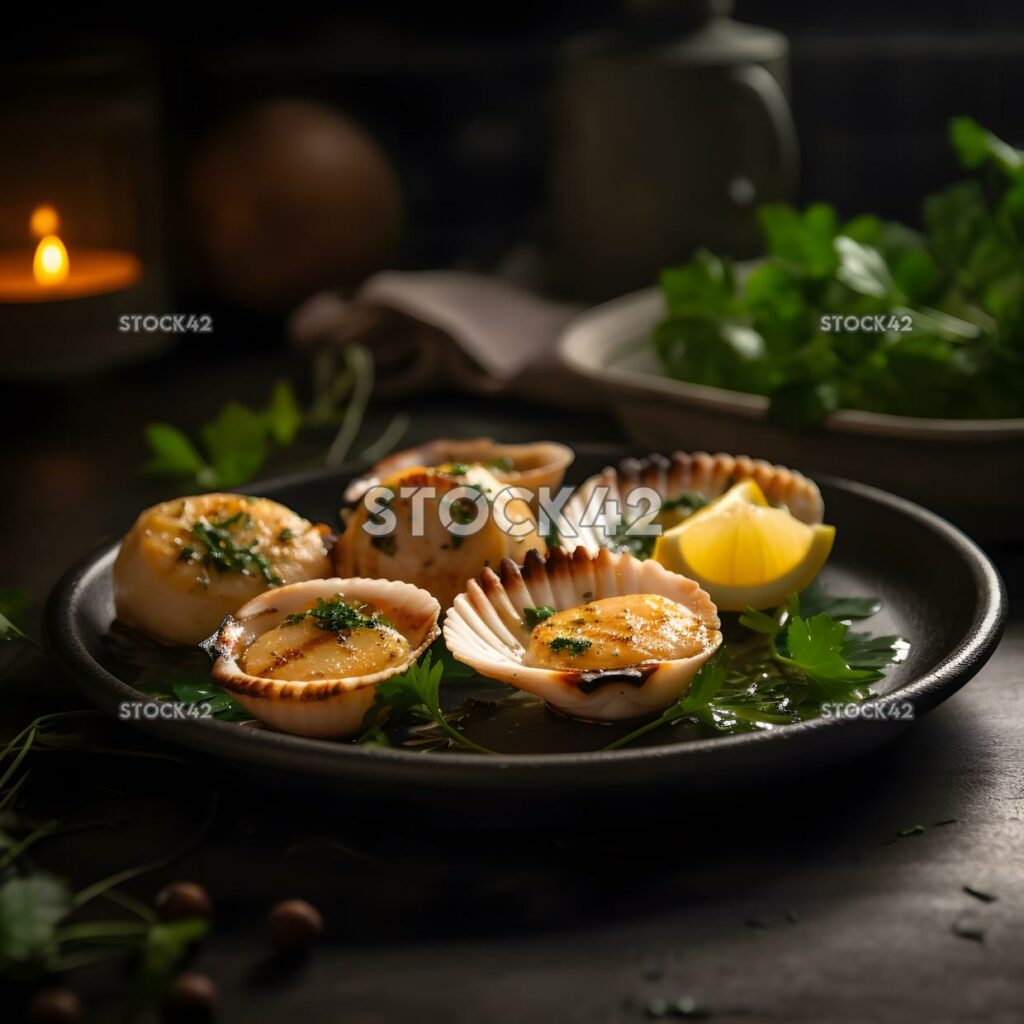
column 531, row 466
column 599, row 636
column 188, row 563
column 307, row 658
column 437, row 528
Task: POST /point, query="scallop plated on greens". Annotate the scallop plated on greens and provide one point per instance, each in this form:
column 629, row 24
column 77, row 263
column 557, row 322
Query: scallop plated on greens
column 698, row 616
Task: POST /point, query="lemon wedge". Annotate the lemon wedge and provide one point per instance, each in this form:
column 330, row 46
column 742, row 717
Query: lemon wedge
column 744, row 552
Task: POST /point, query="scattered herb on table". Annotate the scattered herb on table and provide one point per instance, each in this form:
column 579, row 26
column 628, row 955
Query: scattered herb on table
column 946, row 337
column 232, row 448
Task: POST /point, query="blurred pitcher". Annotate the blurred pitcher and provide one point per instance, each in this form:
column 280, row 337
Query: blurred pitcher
column 669, row 131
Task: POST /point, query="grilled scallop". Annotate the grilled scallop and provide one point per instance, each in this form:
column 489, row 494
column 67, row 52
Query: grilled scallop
column 307, row 658
column 187, row 563
column 599, row 636
column 436, row 528
column 608, row 507
column 530, row 466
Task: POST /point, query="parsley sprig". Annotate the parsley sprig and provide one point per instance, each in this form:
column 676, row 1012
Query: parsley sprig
column 943, row 307
column 416, row 692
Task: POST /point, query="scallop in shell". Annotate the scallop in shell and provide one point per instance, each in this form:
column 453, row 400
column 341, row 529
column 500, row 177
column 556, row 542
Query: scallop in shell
column 599, row 636
column 307, row 658
column 187, row 563
column 530, row 466
column 600, row 513
column 436, row 528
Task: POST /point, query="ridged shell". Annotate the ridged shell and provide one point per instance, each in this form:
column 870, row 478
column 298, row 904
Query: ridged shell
column 484, row 628
column 321, row 707
column 537, row 464
column 671, row 475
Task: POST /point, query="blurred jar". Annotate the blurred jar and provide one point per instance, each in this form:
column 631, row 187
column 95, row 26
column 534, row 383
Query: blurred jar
column 669, row 131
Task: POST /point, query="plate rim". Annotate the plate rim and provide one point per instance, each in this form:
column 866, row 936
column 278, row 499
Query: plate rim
column 330, row 757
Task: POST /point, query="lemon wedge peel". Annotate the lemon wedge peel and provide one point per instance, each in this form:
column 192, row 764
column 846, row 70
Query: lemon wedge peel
column 744, row 552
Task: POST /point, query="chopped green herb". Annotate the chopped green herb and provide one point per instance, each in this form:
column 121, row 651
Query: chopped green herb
column 285, row 535
column 533, row 616
column 688, row 501
column 503, row 463
column 226, row 556
column 575, row 645
column 457, row 469
column 337, row 615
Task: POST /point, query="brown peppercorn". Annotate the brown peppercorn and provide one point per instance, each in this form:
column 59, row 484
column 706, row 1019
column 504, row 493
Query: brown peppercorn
column 54, row 1006
column 294, row 924
column 180, row 900
column 190, row 997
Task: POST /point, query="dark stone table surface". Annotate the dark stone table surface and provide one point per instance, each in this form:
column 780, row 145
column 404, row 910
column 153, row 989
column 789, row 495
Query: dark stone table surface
column 796, row 905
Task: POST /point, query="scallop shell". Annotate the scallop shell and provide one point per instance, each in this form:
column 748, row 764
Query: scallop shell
column 671, row 475
column 321, row 707
column 537, row 464
column 484, row 628
column 435, row 557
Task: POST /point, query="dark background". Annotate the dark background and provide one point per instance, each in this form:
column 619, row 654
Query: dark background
column 457, row 93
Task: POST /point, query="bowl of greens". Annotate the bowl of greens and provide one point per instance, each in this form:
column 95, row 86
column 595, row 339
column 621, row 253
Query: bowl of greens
column 864, row 347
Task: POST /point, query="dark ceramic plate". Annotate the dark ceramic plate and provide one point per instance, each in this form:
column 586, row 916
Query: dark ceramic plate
column 939, row 590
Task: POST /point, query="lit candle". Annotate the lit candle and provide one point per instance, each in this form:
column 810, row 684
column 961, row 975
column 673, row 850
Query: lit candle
column 49, row 273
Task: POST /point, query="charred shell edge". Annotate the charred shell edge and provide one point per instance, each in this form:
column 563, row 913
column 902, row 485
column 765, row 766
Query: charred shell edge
column 222, row 646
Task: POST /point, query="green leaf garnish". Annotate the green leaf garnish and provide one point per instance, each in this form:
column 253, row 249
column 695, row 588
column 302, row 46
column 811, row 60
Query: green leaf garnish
column 945, row 309
column 815, row 647
column 417, row 692
column 222, row 552
column 337, row 615
column 30, row 910
column 534, row 616
column 575, row 645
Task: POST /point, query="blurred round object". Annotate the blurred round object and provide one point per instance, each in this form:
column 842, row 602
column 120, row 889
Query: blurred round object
column 181, row 900
column 191, row 997
column 294, row 924
column 290, row 198
column 54, row 1006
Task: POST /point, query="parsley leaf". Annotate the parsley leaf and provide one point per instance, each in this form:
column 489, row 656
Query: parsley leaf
column 416, row 692
column 30, row 909
column 944, row 310
column 703, row 689
column 815, row 647
column 815, row 599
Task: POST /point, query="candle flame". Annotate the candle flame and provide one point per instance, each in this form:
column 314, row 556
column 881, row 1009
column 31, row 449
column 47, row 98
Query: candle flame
column 44, row 221
column 50, row 265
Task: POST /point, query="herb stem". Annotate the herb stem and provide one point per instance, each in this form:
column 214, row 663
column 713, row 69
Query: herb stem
column 361, row 366
column 449, row 730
